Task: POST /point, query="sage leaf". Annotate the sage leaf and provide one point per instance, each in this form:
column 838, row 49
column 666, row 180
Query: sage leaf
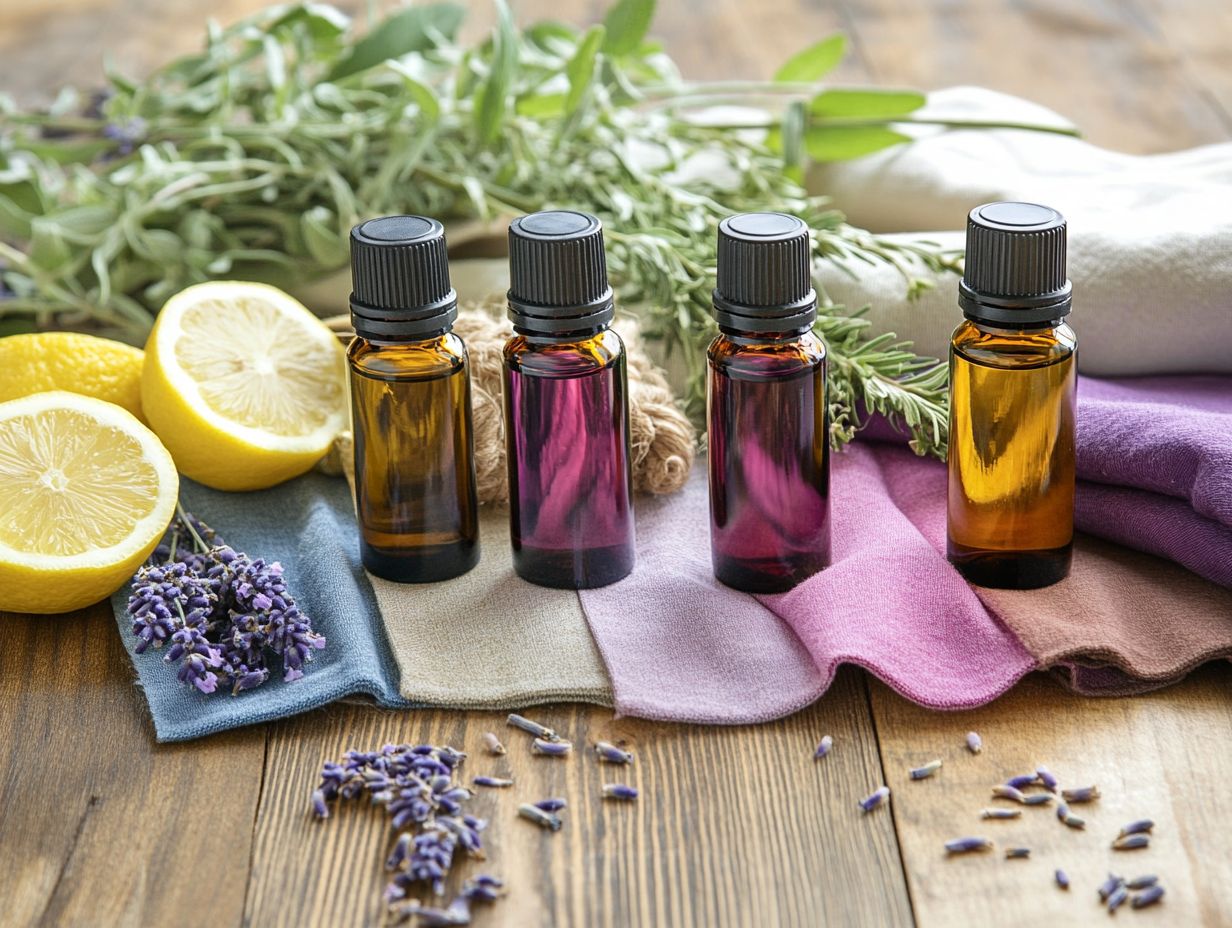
column 415, row 29
column 627, row 24
column 841, row 143
column 490, row 102
column 866, row 104
column 815, row 62
column 581, row 67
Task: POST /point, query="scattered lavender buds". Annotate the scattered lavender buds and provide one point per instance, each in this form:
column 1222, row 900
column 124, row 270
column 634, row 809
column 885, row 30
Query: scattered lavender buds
column 923, row 773
column 532, row 813
column 975, row 744
column 534, row 728
column 878, row 797
column 1068, row 818
column 483, row 888
column 1062, row 879
column 551, row 805
column 1023, row 779
column 1001, row 813
column 823, row 747
column 1151, row 896
column 1080, row 794
column 1109, row 886
column 417, row 785
column 497, row 782
column 1131, row 842
column 1037, row 799
column 1001, row 791
column 224, row 614
column 1117, row 899
column 1142, row 882
column 967, row 845
column 492, row 743
column 551, row 748
column 619, row 791
column 1140, row 826
column 610, row 753
column 1049, row 781
column 1017, row 853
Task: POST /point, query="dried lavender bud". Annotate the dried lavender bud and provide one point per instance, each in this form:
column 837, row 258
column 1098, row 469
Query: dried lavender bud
column 400, row 852
column 319, row 808
column 492, row 743
column 1001, row 791
column 878, row 797
column 497, row 782
column 618, row 791
column 551, row 805
column 534, row 728
column 1074, row 821
column 458, row 913
column 1001, row 813
column 923, row 773
column 1118, row 897
column 1080, row 794
column 483, row 888
column 1142, row 882
column 1152, row 895
column 539, row 817
column 1139, row 826
column 1017, row 853
column 551, row 748
column 1037, row 799
column 1023, row 779
column 974, row 743
column 967, row 845
column 1109, row 886
column 611, row 754
column 823, row 747
column 1049, row 781
column 1131, row 842
column 1062, row 879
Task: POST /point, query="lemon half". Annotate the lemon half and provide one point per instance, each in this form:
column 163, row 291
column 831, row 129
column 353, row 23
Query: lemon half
column 86, row 492
column 245, row 386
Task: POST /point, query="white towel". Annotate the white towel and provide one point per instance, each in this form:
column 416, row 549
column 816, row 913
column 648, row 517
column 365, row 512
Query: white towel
column 1150, row 236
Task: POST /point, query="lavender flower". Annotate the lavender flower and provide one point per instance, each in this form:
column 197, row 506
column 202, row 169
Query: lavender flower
column 127, row 134
column 551, row 748
column 1001, row 813
column 975, row 744
column 541, row 818
column 878, row 797
column 1047, row 778
column 534, row 728
column 1152, row 895
column 967, row 845
column 1142, row 882
column 497, row 782
column 1131, row 842
column 551, row 805
column 1062, row 879
column 318, row 804
column 492, row 743
column 1017, row 853
column 1001, row 791
column 1023, row 779
column 426, row 916
column 611, row 754
column 1037, row 799
column 1118, row 897
column 618, row 791
column 1068, row 818
column 1138, row 826
column 1109, row 886
column 923, row 773
column 483, row 888
column 1080, row 794
column 823, row 747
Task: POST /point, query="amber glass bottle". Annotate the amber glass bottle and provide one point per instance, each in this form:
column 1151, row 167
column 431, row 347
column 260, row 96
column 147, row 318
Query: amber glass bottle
column 566, row 408
column 1012, row 395
column 768, row 439
column 411, row 406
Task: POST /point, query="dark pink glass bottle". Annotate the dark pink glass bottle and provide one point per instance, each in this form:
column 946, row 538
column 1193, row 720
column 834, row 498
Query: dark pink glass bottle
column 768, row 438
column 566, row 408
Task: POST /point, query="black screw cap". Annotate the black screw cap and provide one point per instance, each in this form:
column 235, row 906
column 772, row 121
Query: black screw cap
column 400, row 278
column 764, row 275
column 558, row 273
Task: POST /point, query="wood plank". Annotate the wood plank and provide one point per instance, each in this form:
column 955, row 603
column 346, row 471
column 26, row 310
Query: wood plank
column 735, row 826
column 99, row 825
column 1162, row 756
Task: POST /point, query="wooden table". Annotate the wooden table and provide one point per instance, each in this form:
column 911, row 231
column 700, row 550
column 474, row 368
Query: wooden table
column 736, row 826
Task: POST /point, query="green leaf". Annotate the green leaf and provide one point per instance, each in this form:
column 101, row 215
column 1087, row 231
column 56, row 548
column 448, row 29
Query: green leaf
column 815, row 62
column 792, row 140
column 320, row 229
column 491, row 101
column 48, row 249
column 839, row 143
column 541, row 105
column 627, row 24
column 425, row 97
column 866, row 104
column 581, row 67
column 414, row 29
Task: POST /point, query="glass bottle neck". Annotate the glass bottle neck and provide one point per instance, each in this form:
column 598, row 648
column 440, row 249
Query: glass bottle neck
column 745, row 337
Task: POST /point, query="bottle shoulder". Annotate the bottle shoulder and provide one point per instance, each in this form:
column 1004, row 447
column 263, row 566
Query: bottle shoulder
column 559, row 358
column 757, row 357
column 438, row 356
column 1013, row 348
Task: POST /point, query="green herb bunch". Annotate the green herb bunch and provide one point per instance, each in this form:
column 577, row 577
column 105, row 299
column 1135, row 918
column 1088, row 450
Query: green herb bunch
column 253, row 159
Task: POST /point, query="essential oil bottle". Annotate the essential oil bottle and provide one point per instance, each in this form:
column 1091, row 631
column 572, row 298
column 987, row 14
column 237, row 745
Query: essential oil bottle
column 566, row 407
column 1012, row 395
column 768, row 436
column 411, row 405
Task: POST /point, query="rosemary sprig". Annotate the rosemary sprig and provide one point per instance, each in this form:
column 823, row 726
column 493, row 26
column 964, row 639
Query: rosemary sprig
column 254, row 157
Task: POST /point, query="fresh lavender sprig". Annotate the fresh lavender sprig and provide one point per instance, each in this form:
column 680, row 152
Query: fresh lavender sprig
column 534, row 728
column 611, row 754
column 877, row 797
column 967, row 845
column 823, row 747
column 618, row 791
column 928, row 770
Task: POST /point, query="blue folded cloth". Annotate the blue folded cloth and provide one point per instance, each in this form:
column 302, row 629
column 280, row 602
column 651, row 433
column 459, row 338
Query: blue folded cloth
column 309, row 526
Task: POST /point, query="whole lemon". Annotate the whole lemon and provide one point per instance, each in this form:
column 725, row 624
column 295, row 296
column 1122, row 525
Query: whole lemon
column 98, row 367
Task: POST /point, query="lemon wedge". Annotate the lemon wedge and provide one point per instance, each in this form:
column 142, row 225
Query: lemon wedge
column 86, row 492
column 98, row 367
column 245, row 386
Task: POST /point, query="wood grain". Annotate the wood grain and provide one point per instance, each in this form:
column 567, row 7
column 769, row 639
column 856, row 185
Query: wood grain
column 735, row 826
column 1162, row 756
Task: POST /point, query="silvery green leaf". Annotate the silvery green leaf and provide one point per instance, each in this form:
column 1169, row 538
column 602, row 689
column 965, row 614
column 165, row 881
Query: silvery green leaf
column 415, row 29
column 491, row 105
column 626, row 24
column 581, row 67
column 865, row 103
column 320, row 230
